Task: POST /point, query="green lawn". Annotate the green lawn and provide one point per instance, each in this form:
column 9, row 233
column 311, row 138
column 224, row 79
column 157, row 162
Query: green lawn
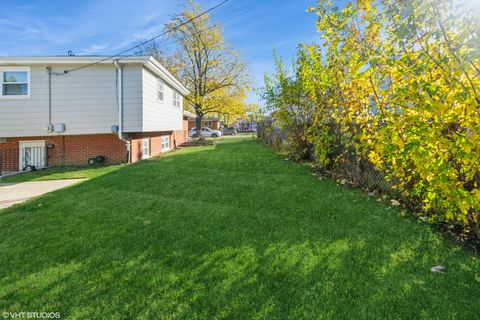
column 58, row 173
column 230, row 231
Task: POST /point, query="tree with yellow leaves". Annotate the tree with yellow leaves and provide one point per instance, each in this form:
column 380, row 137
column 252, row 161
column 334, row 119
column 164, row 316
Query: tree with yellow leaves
column 209, row 67
column 395, row 82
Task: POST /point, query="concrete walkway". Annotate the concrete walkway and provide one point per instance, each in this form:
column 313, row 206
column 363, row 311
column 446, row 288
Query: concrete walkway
column 12, row 193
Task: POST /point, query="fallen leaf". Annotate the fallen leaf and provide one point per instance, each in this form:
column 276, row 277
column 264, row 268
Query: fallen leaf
column 395, row 203
column 438, row 269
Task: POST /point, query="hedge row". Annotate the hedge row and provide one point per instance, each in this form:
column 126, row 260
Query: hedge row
column 397, row 84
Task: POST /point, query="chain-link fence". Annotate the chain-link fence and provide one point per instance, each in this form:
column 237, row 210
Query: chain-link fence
column 348, row 164
column 270, row 134
column 359, row 171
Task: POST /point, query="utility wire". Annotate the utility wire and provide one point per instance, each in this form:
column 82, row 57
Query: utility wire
column 149, row 40
column 167, row 43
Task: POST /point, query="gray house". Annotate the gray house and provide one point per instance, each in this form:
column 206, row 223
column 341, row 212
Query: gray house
column 67, row 110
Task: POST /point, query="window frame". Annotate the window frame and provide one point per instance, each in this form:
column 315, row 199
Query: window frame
column 160, row 84
column 15, row 69
column 177, row 99
column 168, row 143
column 146, row 156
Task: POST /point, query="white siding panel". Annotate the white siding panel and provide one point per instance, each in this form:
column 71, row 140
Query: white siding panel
column 85, row 100
column 26, row 116
column 132, row 98
column 89, row 90
column 159, row 115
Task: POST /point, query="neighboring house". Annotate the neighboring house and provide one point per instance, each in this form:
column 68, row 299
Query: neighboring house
column 190, row 116
column 211, row 122
column 249, row 125
column 123, row 109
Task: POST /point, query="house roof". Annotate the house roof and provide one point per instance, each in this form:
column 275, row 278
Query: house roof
column 189, row 114
column 147, row 61
column 192, row 116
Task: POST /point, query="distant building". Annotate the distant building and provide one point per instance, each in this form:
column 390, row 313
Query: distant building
column 249, row 125
column 211, row 122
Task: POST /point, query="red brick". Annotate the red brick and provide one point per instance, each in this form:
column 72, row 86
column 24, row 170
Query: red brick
column 78, row 149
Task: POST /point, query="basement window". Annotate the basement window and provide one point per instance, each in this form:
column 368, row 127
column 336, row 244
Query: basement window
column 14, row 83
column 165, row 143
column 146, row 148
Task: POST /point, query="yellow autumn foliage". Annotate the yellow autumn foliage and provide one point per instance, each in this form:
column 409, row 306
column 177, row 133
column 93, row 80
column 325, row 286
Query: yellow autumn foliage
column 398, row 82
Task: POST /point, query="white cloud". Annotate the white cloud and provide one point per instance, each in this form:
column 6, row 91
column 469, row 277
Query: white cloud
column 93, row 49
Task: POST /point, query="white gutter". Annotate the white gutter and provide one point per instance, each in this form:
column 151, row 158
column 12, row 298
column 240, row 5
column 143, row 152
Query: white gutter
column 120, row 107
column 69, row 60
column 154, row 66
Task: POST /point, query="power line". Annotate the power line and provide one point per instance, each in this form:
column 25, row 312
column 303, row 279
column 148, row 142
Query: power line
column 149, row 40
column 211, row 27
column 167, row 43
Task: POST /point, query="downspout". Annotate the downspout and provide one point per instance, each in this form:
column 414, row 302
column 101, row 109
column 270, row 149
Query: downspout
column 50, row 128
column 120, row 107
column 49, row 71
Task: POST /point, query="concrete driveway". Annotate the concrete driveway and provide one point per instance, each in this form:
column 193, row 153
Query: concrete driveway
column 12, row 193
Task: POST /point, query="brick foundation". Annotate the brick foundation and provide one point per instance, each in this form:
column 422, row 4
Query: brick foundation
column 67, row 150
column 155, row 138
column 76, row 150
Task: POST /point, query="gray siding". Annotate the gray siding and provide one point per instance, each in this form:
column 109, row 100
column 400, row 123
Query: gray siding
column 85, row 101
column 159, row 115
column 27, row 117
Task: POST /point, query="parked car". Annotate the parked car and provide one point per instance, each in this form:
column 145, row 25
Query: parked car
column 206, row 132
column 229, row 131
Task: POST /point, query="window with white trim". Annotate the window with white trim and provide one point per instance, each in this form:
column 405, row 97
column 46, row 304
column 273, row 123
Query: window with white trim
column 160, row 90
column 14, row 82
column 208, row 123
column 177, row 99
column 165, row 143
column 146, row 148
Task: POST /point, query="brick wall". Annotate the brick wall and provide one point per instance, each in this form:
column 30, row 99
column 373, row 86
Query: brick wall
column 136, row 141
column 76, row 150
column 182, row 135
column 9, row 155
column 213, row 124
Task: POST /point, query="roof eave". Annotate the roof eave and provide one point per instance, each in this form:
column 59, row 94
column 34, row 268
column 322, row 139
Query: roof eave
column 156, row 67
column 70, row 60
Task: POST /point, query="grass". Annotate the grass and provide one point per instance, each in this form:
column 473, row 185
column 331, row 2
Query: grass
column 230, row 231
column 59, row 173
column 248, row 134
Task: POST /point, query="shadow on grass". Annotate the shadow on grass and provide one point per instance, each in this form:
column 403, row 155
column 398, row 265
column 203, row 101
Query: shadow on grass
column 59, row 173
column 229, row 231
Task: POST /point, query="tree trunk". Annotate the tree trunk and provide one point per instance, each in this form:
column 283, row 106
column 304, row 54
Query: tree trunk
column 198, row 125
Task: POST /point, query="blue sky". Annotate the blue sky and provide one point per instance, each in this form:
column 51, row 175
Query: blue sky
column 99, row 27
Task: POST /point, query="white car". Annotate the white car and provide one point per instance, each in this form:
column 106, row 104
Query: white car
column 206, row 132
